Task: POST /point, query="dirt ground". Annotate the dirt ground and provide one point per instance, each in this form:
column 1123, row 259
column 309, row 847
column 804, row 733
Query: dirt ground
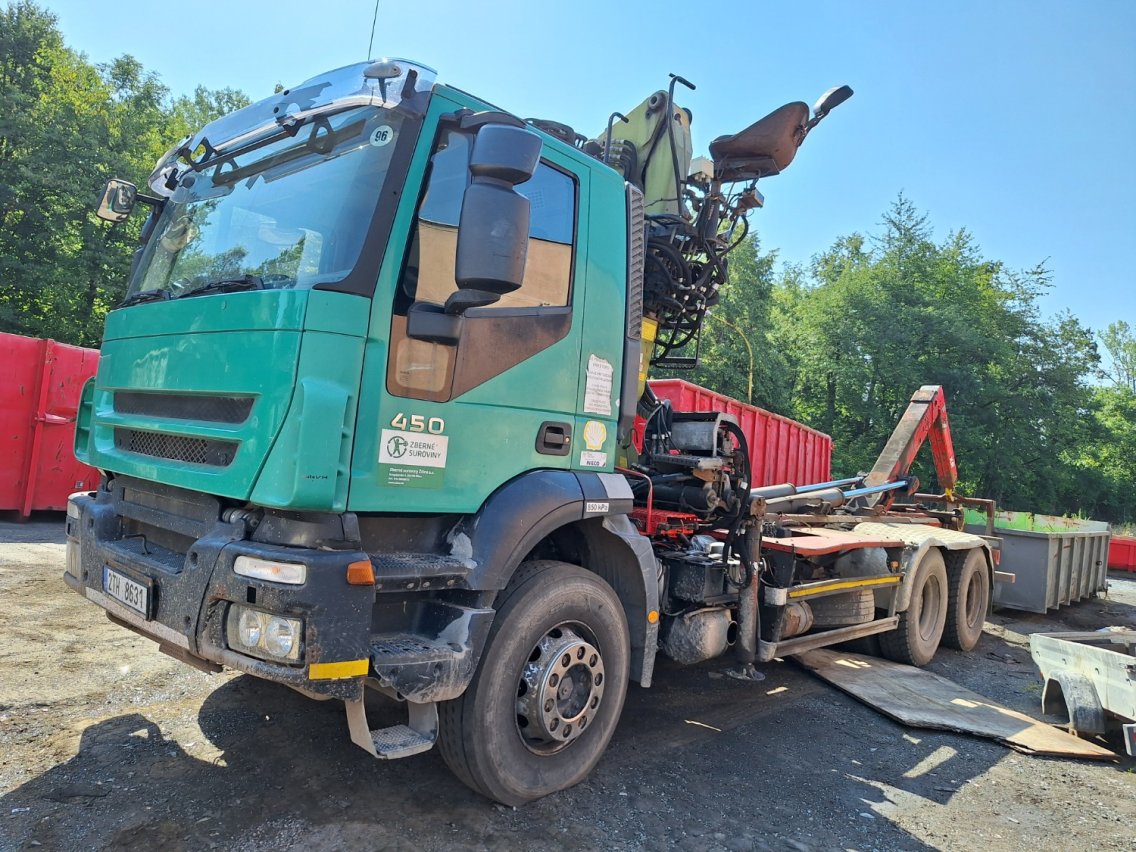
column 107, row 743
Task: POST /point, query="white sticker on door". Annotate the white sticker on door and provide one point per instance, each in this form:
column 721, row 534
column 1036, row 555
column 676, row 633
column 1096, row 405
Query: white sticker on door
column 590, row 459
column 412, row 459
column 597, row 386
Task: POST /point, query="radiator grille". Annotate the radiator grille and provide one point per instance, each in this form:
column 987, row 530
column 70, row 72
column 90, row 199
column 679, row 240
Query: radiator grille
column 176, row 447
column 184, row 406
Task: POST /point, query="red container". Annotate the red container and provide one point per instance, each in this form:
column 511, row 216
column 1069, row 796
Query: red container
column 781, row 450
column 1122, row 553
column 40, row 383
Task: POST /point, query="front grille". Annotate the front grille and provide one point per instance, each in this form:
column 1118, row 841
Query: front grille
column 184, row 406
column 176, row 447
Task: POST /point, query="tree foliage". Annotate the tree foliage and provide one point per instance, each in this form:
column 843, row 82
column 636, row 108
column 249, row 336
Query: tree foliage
column 66, row 126
column 842, row 344
column 1121, row 347
column 876, row 318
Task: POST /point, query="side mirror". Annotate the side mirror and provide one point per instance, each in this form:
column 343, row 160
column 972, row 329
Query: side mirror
column 831, row 99
column 117, row 200
column 493, row 231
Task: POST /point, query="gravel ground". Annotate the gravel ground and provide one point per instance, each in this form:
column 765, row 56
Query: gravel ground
column 107, row 743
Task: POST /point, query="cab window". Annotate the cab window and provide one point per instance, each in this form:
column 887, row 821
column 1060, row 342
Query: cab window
column 423, row 369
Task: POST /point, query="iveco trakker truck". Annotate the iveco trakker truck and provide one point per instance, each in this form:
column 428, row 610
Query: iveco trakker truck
column 367, row 420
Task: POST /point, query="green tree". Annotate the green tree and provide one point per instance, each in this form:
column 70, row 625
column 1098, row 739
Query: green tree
column 875, row 318
column 1121, row 347
column 188, row 114
column 65, row 127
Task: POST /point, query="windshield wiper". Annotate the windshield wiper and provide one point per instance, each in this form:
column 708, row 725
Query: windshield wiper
column 144, row 296
column 228, row 285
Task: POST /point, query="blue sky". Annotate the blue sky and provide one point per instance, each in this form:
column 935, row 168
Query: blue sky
column 1013, row 119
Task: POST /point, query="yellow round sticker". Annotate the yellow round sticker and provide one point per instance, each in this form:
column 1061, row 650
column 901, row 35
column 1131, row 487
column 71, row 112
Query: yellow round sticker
column 595, row 433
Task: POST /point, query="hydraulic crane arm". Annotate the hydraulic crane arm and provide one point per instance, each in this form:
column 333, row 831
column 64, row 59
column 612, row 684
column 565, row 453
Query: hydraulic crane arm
column 926, row 416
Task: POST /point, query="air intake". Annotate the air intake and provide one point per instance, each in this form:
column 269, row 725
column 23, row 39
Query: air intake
column 184, row 406
column 203, row 451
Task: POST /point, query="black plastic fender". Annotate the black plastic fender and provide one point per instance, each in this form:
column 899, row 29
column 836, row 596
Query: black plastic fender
column 525, row 510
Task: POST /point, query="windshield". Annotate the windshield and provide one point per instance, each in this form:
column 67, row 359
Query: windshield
column 291, row 212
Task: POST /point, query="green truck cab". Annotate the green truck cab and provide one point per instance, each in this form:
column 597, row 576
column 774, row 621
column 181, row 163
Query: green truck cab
column 318, row 469
column 365, row 421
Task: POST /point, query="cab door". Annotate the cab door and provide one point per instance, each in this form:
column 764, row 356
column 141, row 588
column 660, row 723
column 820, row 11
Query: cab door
column 444, row 423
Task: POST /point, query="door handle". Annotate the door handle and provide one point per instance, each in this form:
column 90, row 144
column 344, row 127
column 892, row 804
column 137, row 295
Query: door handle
column 554, row 439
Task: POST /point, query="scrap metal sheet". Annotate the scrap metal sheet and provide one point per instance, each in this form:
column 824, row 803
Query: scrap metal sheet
column 923, row 699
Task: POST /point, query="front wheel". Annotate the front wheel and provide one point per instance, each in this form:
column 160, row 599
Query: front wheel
column 916, row 638
column 549, row 689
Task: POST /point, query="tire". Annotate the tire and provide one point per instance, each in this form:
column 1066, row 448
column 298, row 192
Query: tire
column 548, row 691
column 916, row 638
column 968, row 598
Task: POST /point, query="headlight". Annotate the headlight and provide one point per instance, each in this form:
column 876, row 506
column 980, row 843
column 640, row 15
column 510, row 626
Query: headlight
column 280, row 636
column 249, row 629
column 276, row 572
column 261, row 634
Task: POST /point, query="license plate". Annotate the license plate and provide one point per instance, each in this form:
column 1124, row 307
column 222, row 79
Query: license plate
column 130, row 592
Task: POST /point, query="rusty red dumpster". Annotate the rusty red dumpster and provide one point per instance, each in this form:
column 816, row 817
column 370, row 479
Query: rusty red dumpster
column 781, row 450
column 40, row 383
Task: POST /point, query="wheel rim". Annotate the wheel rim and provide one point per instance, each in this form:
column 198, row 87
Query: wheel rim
column 929, row 604
column 975, row 606
column 560, row 689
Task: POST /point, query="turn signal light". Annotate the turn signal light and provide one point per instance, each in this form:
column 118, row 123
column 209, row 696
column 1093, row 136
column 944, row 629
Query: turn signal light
column 361, row 573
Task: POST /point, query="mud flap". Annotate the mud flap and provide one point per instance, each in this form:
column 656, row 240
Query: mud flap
column 395, row 741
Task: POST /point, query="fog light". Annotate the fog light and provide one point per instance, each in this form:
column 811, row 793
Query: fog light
column 267, row 569
column 261, row 634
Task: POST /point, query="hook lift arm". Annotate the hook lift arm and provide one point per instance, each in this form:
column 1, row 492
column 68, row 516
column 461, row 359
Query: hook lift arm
column 926, row 417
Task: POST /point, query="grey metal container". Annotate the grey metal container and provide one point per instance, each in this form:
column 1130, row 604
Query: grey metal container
column 1056, row 561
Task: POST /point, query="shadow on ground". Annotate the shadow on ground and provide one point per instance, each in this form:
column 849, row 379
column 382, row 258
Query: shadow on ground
column 698, row 763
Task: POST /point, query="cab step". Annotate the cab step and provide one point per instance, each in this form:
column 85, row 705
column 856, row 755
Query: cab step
column 394, row 741
column 436, row 662
column 402, row 649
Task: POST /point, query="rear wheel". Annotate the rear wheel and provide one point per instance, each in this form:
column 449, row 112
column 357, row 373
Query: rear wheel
column 916, row 638
column 968, row 598
column 549, row 689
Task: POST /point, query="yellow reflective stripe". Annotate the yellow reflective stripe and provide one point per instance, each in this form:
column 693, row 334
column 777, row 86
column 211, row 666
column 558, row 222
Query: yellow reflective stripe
column 846, row 584
column 330, row 671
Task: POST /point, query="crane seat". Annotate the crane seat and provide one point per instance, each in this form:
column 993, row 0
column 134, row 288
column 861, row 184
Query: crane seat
column 766, row 147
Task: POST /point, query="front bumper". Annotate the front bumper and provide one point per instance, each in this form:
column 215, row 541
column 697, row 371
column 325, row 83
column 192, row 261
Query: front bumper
column 192, row 592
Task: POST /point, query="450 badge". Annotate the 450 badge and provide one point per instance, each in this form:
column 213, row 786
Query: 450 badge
column 412, row 453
